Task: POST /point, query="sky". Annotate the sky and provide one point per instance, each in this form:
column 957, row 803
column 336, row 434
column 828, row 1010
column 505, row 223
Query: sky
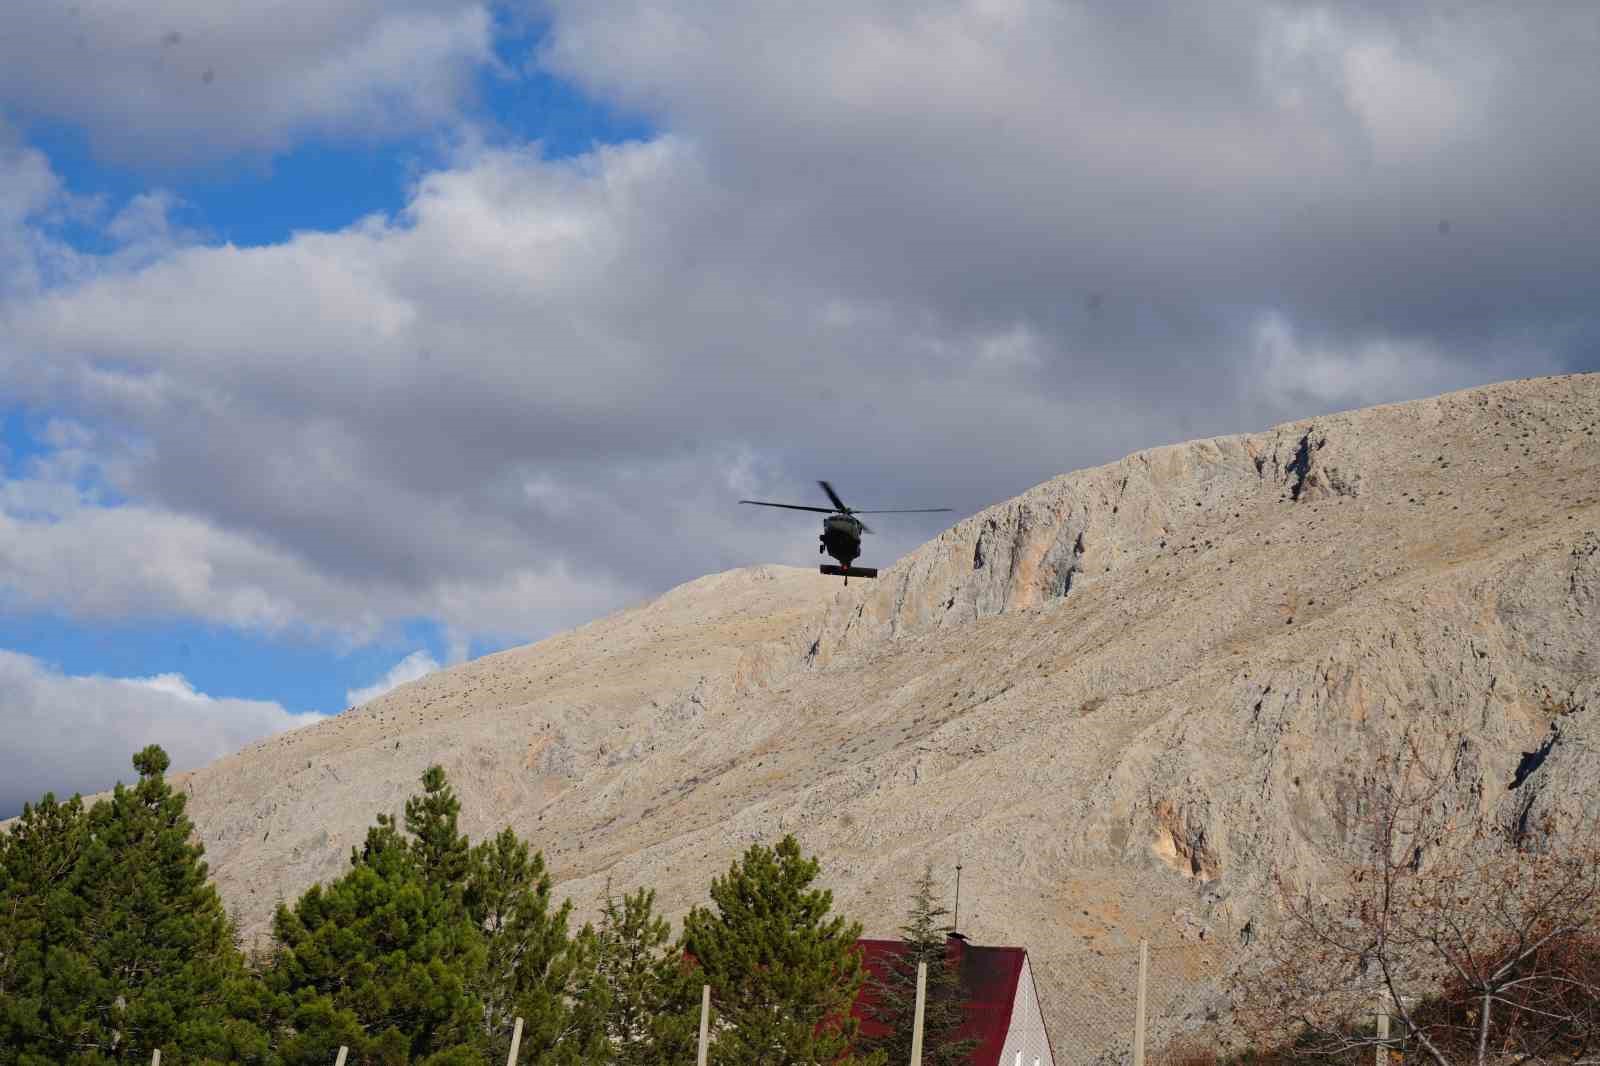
column 345, row 340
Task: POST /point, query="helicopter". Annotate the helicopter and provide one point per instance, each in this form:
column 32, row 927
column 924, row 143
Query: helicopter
column 841, row 531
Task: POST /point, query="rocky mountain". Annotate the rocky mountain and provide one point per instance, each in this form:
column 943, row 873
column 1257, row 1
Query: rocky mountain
column 1121, row 700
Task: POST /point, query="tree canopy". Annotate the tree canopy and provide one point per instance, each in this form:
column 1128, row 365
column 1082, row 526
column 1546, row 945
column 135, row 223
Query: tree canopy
column 924, row 939
column 782, row 969
column 649, row 994
column 112, row 940
column 114, row 943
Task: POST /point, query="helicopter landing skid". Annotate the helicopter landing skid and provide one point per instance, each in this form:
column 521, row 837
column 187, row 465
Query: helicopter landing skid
column 848, row 572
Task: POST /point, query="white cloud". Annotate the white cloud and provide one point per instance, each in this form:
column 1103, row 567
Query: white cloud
column 1293, row 371
column 30, row 186
column 34, row 206
column 171, row 82
column 146, row 231
column 933, row 252
column 60, row 550
column 77, row 734
column 29, row 192
column 417, row 664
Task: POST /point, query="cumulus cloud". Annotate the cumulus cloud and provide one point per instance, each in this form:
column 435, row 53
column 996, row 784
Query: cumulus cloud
column 60, row 550
column 35, row 206
column 68, row 734
column 175, row 82
column 417, row 664
column 30, row 194
column 934, row 252
column 1298, row 371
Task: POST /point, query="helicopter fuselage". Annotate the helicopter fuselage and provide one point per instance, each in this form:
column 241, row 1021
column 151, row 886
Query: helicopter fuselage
column 841, row 531
column 841, row 538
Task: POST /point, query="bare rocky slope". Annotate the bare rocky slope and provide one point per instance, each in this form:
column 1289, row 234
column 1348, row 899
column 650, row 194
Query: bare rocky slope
column 1120, row 700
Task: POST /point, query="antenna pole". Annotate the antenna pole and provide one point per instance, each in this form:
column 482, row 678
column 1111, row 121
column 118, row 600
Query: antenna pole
column 955, row 925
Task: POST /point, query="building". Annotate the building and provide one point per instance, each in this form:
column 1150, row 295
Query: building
column 1002, row 1004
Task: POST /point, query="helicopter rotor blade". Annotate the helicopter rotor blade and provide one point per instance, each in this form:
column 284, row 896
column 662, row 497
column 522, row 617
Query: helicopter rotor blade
column 866, row 528
column 788, row 506
column 834, row 496
column 907, row 510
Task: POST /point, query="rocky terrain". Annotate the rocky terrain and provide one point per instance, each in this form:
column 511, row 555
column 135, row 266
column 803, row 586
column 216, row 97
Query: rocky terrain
column 1121, row 700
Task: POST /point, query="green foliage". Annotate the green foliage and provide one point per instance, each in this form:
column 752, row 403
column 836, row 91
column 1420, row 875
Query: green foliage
column 38, row 910
column 533, row 968
column 386, row 958
column 648, row 995
column 895, row 999
column 429, row 948
column 441, row 851
column 378, row 949
column 112, row 941
column 782, row 972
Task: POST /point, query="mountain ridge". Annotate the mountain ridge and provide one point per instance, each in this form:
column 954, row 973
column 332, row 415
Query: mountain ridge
column 1125, row 700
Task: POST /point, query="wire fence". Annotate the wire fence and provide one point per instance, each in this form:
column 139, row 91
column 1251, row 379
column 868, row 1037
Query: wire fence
column 1095, row 998
column 1155, row 1003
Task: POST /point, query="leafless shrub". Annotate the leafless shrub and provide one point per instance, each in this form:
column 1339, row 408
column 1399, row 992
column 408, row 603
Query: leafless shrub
column 1486, row 946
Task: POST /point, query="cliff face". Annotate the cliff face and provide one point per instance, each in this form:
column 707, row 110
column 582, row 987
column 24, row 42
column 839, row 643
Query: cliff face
column 1121, row 700
column 1323, row 586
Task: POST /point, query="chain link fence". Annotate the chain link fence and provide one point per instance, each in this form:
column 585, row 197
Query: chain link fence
column 1186, row 1001
column 1097, row 992
column 1094, row 998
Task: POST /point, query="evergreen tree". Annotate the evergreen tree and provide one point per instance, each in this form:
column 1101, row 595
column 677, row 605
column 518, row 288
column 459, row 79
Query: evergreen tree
column 782, row 972
column 924, row 939
column 122, row 945
column 429, row 948
column 441, row 851
column 38, row 913
column 385, row 959
column 648, row 994
column 533, row 968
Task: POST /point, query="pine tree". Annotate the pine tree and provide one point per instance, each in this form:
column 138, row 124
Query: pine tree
column 783, row 973
column 429, row 948
column 648, row 995
column 442, row 853
column 38, row 914
column 127, row 946
column 533, row 967
column 924, row 939
column 386, row 958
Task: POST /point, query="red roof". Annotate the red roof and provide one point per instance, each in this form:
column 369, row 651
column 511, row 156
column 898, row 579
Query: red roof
column 989, row 979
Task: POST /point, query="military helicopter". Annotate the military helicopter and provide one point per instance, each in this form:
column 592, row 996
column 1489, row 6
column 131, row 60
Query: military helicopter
column 841, row 531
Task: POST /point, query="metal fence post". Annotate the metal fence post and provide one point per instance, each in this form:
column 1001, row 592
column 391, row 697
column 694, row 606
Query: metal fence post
column 916, row 1018
column 705, row 1023
column 1138, row 1021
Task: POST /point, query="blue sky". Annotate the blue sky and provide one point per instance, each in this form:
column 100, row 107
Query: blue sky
column 326, row 183
column 345, row 339
column 320, row 184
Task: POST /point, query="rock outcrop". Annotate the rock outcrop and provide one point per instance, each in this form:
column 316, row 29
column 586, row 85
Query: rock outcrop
column 1122, row 700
